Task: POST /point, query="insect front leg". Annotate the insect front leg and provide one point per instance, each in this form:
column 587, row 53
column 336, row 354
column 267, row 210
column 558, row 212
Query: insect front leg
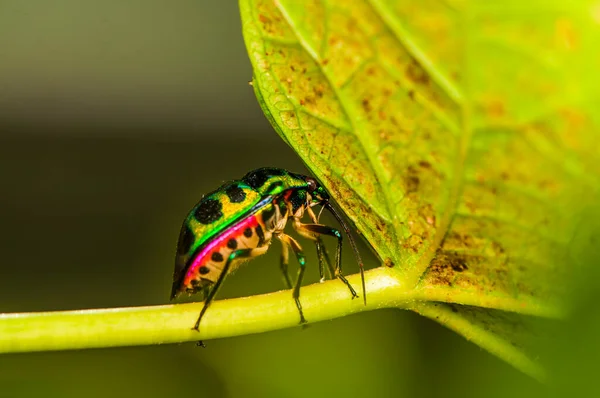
column 309, row 230
column 323, row 256
column 237, row 254
column 287, row 240
column 285, row 256
column 322, row 253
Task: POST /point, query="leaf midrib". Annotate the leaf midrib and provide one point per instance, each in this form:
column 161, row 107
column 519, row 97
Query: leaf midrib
column 413, row 276
column 345, row 108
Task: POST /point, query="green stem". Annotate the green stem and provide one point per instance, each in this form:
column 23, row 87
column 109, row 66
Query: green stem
column 64, row 330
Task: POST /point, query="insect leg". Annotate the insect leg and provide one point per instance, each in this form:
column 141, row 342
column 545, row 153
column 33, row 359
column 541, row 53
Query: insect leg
column 323, row 256
column 205, row 292
column 291, row 242
column 237, row 254
column 319, row 229
column 339, row 218
column 322, row 253
column 284, row 264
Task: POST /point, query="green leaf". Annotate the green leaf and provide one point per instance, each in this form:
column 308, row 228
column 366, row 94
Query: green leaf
column 508, row 335
column 459, row 137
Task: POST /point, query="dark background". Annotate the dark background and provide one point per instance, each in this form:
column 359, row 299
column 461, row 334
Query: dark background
column 115, row 117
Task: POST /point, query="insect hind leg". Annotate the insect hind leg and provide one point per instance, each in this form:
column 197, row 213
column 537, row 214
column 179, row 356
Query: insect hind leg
column 288, row 241
column 235, row 255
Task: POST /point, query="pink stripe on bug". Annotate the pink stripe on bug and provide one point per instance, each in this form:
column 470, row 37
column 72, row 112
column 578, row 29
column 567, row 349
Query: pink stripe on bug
column 217, row 243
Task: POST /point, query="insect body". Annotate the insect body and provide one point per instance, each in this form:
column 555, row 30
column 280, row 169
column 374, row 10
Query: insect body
column 238, row 221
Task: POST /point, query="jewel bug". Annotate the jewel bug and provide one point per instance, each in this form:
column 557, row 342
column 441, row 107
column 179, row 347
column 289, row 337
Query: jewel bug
column 238, row 221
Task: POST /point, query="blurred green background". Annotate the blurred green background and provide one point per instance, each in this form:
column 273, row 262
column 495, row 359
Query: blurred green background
column 115, row 117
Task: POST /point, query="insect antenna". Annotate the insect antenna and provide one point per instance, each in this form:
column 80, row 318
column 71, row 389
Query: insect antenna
column 353, row 244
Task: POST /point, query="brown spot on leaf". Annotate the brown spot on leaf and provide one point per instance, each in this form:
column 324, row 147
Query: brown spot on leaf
column 366, row 105
column 439, row 273
column 495, row 108
column 458, row 264
column 413, row 243
column 384, row 135
column 416, row 73
column 468, row 240
column 428, row 214
column 497, row 247
column 319, row 90
column 412, row 183
column 445, row 265
column 411, row 180
column 388, row 262
column 471, row 206
column 379, row 224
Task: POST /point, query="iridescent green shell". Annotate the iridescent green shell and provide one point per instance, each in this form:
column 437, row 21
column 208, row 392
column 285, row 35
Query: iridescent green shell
column 214, row 213
column 230, row 203
column 273, row 181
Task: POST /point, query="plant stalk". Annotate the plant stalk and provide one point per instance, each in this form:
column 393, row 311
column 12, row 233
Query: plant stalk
column 132, row 326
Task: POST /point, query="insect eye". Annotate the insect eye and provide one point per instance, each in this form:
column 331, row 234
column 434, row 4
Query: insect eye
column 312, row 184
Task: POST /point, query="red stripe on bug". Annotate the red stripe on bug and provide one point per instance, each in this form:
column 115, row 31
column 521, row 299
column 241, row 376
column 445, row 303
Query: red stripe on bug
column 215, row 245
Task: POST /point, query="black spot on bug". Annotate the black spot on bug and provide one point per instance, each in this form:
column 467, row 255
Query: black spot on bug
column 217, row 257
column 274, row 171
column 196, row 281
column 248, row 232
column 257, row 178
column 232, row 244
column 208, row 211
column 261, row 235
column 186, row 240
column 203, row 270
column 235, row 194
